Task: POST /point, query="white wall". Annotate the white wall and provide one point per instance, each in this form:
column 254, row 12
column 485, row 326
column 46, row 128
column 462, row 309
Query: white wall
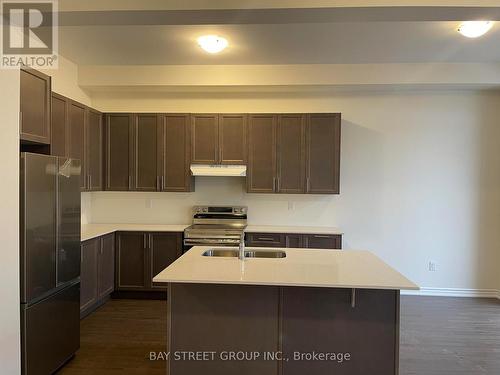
column 65, row 81
column 10, row 360
column 420, row 177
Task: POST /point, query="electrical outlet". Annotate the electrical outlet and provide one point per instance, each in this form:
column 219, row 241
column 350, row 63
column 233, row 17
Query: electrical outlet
column 291, row 206
column 149, row 203
column 433, row 266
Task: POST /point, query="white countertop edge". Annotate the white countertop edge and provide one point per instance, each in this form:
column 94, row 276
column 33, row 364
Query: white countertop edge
column 299, row 229
column 300, row 268
column 90, row 231
column 94, row 230
column 336, row 286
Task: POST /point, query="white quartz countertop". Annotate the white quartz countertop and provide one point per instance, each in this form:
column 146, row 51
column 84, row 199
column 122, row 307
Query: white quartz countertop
column 89, row 231
column 300, row 267
column 291, row 229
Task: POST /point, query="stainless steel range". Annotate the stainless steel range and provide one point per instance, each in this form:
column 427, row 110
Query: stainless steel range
column 216, row 225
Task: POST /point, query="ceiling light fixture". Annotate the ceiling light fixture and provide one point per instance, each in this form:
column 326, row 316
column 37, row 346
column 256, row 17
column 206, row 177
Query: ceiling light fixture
column 474, row 29
column 212, row 43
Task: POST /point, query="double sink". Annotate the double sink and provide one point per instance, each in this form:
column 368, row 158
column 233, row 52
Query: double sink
column 250, row 253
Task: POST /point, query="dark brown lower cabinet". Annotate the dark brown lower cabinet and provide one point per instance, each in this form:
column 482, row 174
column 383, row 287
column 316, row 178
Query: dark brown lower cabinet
column 165, row 249
column 322, row 241
column 140, row 256
column 294, row 240
column 266, row 239
column 88, row 274
column 324, row 320
column 131, row 261
column 96, row 273
column 299, row 325
column 223, row 319
column 312, row 241
column 106, row 266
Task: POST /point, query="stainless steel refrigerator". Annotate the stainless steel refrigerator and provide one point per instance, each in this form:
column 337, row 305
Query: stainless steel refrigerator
column 50, row 261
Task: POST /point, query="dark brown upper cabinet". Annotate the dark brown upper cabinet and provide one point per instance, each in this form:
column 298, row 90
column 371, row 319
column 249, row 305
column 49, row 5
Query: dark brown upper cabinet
column 261, row 172
column 204, row 139
column 118, row 151
column 77, row 137
column 218, row 138
column 93, row 150
column 291, row 154
column 174, row 153
column 294, row 153
column 232, row 139
column 145, row 152
column 77, row 132
column 35, row 107
column 59, row 126
column 148, row 152
column 323, row 153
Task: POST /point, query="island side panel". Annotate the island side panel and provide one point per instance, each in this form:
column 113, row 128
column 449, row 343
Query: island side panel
column 322, row 320
column 222, row 318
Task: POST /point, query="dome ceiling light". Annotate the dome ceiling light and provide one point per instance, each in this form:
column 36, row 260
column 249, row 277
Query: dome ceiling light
column 212, row 43
column 474, row 29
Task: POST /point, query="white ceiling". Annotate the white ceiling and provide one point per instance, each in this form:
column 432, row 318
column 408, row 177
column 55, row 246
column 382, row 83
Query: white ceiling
column 304, row 43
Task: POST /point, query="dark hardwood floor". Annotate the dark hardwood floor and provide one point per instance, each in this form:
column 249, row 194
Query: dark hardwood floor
column 444, row 336
column 117, row 339
column 439, row 336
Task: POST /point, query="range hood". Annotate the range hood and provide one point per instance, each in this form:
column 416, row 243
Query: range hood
column 218, row 170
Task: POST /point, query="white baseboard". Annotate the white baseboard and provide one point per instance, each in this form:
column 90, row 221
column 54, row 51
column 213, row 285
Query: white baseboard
column 453, row 292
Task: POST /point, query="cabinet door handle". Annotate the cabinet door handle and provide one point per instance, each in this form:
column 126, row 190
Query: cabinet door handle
column 308, row 184
column 144, row 240
column 277, row 184
column 162, row 183
column 157, row 183
column 265, row 239
column 150, row 240
column 90, row 182
column 274, row 184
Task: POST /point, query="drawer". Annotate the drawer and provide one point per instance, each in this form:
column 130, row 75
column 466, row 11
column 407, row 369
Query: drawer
column 294, row 240
column 266, row 239
column 323, row 241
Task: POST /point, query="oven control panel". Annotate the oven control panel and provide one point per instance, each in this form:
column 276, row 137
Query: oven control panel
column 223, row 210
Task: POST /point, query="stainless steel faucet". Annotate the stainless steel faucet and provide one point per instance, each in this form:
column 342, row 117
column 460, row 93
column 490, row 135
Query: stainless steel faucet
column 242, row 246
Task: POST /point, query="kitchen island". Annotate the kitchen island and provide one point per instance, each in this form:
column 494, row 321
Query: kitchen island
column 311, row 312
